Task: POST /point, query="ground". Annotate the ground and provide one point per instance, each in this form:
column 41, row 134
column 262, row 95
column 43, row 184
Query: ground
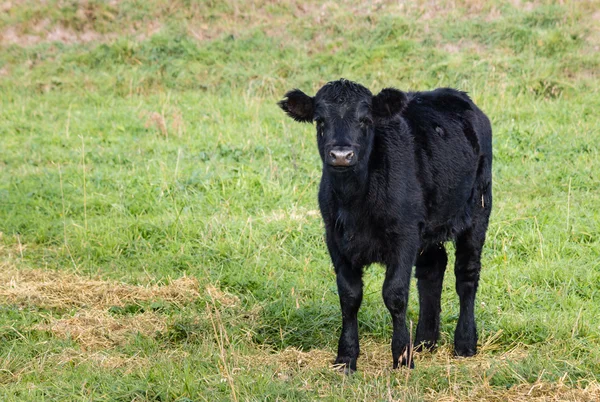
column 159, row 233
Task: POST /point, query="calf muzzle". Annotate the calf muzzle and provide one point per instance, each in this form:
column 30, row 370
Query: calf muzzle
column 341, row 157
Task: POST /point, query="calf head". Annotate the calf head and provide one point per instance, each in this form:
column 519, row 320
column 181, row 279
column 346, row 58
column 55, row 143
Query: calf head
column 346, row 115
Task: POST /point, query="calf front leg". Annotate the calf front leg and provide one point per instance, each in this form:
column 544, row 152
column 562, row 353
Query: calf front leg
column 350, row 290
column 395, row 296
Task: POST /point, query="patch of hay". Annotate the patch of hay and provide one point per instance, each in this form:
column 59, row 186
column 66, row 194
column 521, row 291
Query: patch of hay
column 100, row 359
column 95, row 329
column 92, row 326
column 56, row 289
column 223, row 298
column 112, row 360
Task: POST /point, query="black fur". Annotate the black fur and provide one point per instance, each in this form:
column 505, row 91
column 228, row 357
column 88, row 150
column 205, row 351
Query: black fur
column 422, row 177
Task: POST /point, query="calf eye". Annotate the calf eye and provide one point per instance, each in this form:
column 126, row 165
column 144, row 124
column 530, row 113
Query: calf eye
column 319, row 122
column 365, row 122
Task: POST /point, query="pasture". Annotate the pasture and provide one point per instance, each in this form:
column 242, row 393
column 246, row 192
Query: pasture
column 159, row 230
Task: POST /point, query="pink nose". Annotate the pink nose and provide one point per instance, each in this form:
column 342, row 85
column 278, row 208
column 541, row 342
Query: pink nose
column 341, row 157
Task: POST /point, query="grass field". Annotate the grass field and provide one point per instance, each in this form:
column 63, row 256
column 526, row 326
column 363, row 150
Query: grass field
column 159, row 233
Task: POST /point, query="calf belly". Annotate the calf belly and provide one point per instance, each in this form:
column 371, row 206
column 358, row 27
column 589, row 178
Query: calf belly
column 440, row 229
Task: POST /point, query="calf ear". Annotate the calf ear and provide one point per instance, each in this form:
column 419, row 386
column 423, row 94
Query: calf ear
column 298, row 106
column 389, row 102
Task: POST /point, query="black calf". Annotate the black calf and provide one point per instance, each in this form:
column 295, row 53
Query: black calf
column 402, row 174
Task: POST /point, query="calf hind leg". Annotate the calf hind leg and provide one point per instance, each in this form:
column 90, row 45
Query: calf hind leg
column 430, row 268
column 395, row 296
column 467, row 267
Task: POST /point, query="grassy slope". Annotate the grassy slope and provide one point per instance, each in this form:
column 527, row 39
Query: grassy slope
column 147, row 146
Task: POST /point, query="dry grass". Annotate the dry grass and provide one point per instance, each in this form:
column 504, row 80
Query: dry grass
column 53, row 289
column 539, row 392
column 375, row 363
column 225, row 299
column 12, row 36
column 91, row 326
column 240, row 16
column 463, row 46
column 375, row 358
column 113, row 360
column 96, row 329
column 296, row 214
column 102, row 359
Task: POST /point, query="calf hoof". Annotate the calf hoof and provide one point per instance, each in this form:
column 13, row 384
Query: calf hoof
column 464, row 350
column 345, row 364
column 405, row 360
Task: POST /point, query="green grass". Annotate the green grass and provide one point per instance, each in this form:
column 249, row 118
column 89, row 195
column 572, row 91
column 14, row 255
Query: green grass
column 147, row 145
